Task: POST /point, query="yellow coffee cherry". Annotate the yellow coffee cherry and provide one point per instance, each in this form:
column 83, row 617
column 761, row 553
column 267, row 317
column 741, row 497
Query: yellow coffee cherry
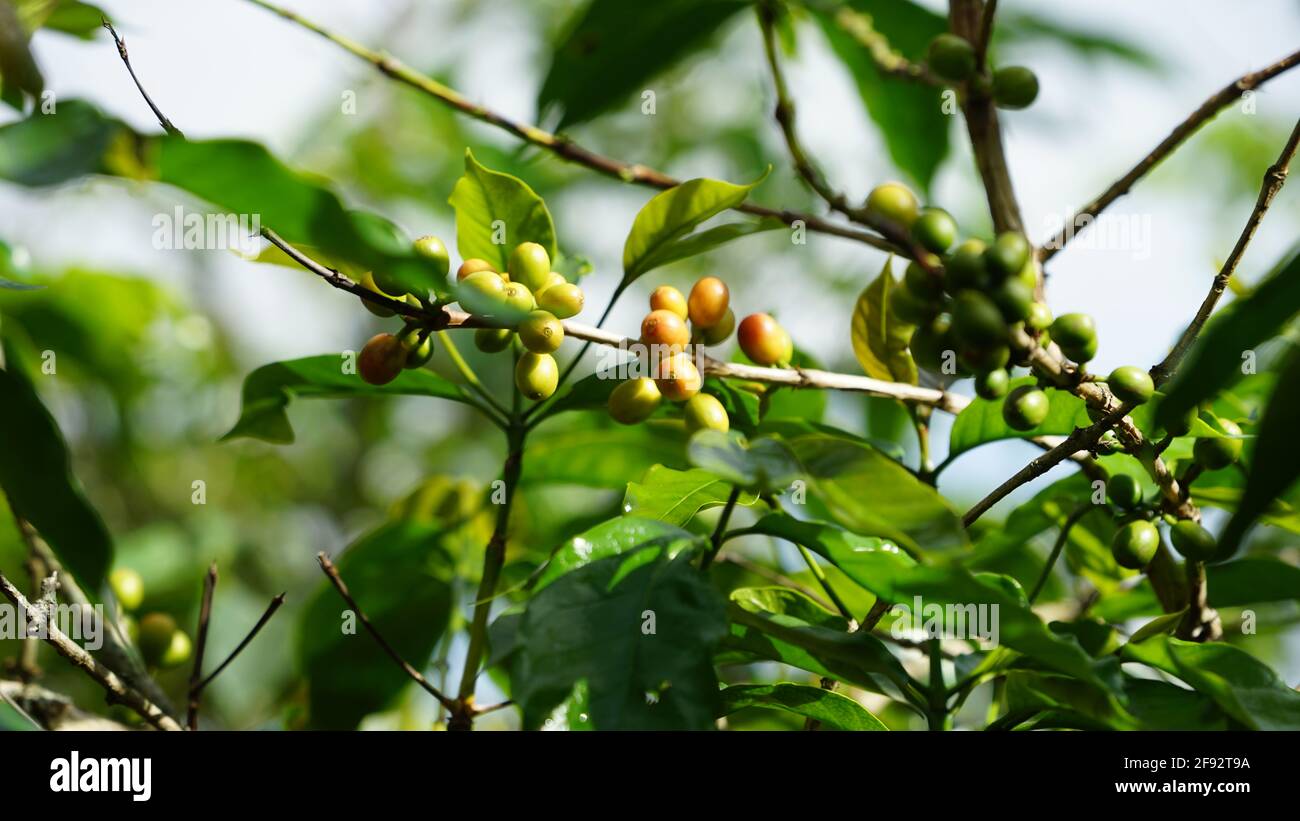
column 537, row 375
column 634, row 400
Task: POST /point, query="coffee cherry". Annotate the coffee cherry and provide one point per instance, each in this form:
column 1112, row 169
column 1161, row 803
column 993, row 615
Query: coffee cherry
column 951, row 57
column 555, row 278
column 965, row 267
column 708, row 302
column 1131, row 385
column 983, row 360
column 1040, row 317
column 787, row 347
column 1135, row 544
column 705, row 412
column 432, row 249
column 893, row 203
column 762, row 339
column 977, row 321
column 910, row 308
column 1014, row 87
column 1025, row 408
column 931, row 341
column 1015, row 299
column 665, row 328
column 719, row 333
column 1108, row 444
column 1183, row 425
column 386, row 283
column 1074, row 330
column 368, row 282
column 935, row 230
column 1080, row 353
column 472, row 266
column 382, row 359
column 1215, row 454
column 668, row 298
column 529, row 264
column 128, row 587
column 1007, row 255
column 1124, row 490
column 493, row 340
column 536, row 375
column 178, row 650
column 419, row 356
column 482, row 292
column 1193, row 541
column 541, row 332
column 992, row 384
column 634, row 400
column 564, row 300
column 923, row 285
column 518, row 302
column 677, row 378
column 156, row 631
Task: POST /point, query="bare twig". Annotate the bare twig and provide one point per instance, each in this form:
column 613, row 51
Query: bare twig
column 157, row 112
column 1212, row 106
column 333, row 574
column 200, row 644
column 986, row 34
column 252, row 634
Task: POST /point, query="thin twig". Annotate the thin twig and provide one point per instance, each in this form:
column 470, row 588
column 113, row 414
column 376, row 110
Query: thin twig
column 157, row 112
column 986, row 34
column 252, row 634
column 1061, row 538
column 201, row 644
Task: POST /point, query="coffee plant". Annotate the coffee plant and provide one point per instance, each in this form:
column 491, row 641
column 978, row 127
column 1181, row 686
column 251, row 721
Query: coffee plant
column 746, row 559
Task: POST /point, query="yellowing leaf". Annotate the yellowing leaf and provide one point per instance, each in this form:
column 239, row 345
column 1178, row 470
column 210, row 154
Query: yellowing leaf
column 879, row 339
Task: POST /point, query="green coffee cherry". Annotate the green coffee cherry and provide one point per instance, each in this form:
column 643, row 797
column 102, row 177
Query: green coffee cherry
column 1131, row 385
column 634, row 400
column 482, row 292
column 493, row 340
column 965, row 267
column 1108, row 444
column 923, row 285
column 1183, row 425
column 518, row 300
column 128, row 587
column 951, row 57
column 1074, row 330
column 388, row 284
column 541, row 332
column 705, row 412
column 908, row 307
column 419, row 356
column 563, row 300
column 935, row 230
column 977, row 321
column 156, row 631
column 368, row 282
column 536, row 375
column 719, row 333
column 992, row 384
column 931, row 340
column 1135, row 544
column 1080, row 353
column 1014, row 299
column 983, row 360
column 432, row 249
column 1217, row 453
column 530, row 266
column 1040, row 317
column 1193, row 541
column 1014, row 87
column 1124, row 490
column 178, row 650
column 1008, row 254
column 893, row 203
column 1025, row 408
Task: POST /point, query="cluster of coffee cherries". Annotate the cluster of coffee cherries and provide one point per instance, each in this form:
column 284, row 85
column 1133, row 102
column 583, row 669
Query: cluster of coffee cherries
column 670, row 334
column 953, row 59
column 162, row 644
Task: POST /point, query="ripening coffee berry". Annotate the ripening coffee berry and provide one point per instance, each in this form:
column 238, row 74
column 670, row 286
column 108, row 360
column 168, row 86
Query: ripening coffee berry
column 677, row 378
column 1131, row 385
column 530, row 264
column 965, row 267
column 762, row 339
column 1014, row 299
column 1135, row 544
column 1014, row 87
column 708, row 303
column 493, row 340
column 382, row 359
column 1007, row 255
column 634, row 401
column 719, row 333
column 1040, row 317
column 541, row 332
column 893, row 203
column 128, row 587
column 156, row 631
column 1080, row 353
column 473, row 266
column 922, row 284
column 482, row 292
column 705, row 412
column 935, row 230
column 1025, row 408
column 668, row 298
column 368, row 282
column 388, row 284
column 992, row 384
column 536, row 375
column 432, row 249
column 1193, row 541
column 665, row 328
column 977, row 321
column 178, row 650
column 555, row 278
column 1124, row 490
column 518, row 301
column 564, row 300
column 951, row 57
column 418, row 356
column 1074, row 330
column 1218, row 453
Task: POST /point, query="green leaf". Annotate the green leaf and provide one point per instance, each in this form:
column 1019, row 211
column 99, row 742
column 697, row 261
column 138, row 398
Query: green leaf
column 13, row 721
column 1026, row 690
column 1242, row 686
column 833, row 710
column 612, row 50
column 612, row 538
column 880, row 339
column 36, row 475
column 764, row 465
column 591, row 455
column 639, row 628
column 1020, row 28
column 54, row 148
column 910, row 115
column 1214, row 361
column 19, row 73
column 675, row 496
column 399, row 576
column 269, row 389
column 486, row 200
column 669, row 216
column 1159, row 705
column 703, row 241
column 1160, row 625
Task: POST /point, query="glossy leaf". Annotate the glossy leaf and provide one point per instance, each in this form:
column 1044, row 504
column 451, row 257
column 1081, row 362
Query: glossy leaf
column 612, row 538
column 675, row 496
column 487, row 200
column 601, row 456
column 763, row 465
column 833, row 710
column 880, row 339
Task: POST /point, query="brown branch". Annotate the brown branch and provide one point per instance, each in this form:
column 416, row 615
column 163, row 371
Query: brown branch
column 1274, row 178
column 200, row 644
column 252, row 634
column 157, row 112
column 333, row 574
column 985, row 34
column 1212, row 106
